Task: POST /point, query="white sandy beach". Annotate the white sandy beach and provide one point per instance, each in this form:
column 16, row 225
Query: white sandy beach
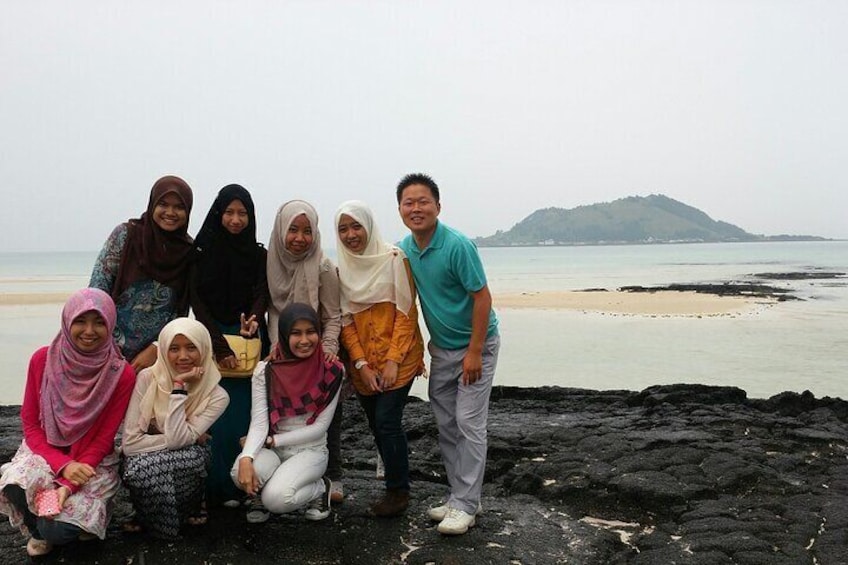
column 660, row 303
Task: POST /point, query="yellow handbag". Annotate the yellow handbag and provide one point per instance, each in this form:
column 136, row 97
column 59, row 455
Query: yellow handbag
column 247, row 353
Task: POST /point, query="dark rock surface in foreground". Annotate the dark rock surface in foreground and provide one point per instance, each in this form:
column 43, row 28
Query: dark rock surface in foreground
column 682, row 474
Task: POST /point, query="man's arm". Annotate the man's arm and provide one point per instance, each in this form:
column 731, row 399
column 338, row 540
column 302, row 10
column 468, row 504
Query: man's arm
column 472, row 364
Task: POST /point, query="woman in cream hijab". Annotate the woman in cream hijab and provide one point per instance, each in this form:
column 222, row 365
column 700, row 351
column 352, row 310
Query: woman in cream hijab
column 298, row 272
column 380, row 331
column 175, row 401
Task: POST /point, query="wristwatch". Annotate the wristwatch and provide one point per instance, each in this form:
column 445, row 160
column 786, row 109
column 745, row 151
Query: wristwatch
column 359, row 364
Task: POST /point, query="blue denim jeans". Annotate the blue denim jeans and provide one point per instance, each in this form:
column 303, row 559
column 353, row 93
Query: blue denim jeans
column 385, row 418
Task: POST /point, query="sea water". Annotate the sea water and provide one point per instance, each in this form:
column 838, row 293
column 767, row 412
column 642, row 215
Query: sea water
column 789, row 346
column 793, row 345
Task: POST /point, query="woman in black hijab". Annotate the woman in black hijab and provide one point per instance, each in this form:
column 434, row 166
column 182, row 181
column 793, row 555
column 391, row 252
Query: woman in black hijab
column 229, row 296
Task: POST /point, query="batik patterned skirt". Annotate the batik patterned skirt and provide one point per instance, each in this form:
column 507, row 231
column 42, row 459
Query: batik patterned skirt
column 166, row 487
column 89, row 508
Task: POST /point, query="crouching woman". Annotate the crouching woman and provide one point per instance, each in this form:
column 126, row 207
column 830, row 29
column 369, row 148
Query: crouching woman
column 294, row 397
column 165, row 441
column 59, row 484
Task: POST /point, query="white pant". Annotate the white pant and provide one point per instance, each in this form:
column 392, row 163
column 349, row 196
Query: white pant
column 289, row 478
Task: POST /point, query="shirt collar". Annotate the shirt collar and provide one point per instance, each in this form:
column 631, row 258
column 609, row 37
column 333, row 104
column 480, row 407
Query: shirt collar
column 438, row 239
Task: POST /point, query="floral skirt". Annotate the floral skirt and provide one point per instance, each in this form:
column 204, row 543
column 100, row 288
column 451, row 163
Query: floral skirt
column 166, row 487
column 89, row 508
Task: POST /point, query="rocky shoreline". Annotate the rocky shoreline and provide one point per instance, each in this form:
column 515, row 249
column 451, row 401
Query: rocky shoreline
column 755, row 288
column 684, row 474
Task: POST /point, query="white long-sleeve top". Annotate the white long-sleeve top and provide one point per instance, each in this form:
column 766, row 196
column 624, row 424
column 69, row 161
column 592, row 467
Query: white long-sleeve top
column 179, row 431
column 289, row 432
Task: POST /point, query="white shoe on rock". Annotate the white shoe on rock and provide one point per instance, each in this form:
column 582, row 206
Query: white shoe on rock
column 456, row 522
column 319, row 509
column 438, row 513
column 256, row 511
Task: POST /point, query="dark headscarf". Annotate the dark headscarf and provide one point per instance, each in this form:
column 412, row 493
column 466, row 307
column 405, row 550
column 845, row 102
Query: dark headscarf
column 299, row 386
column 227, row 264
column 151, row 252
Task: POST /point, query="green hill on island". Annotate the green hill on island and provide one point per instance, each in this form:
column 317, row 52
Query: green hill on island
column 635, row 219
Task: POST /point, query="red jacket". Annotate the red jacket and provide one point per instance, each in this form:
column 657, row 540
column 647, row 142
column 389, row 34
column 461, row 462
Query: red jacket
column 96, row 444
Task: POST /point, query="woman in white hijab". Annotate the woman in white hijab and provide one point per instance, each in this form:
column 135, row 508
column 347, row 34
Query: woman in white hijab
column 165, row 441
column 381, row 333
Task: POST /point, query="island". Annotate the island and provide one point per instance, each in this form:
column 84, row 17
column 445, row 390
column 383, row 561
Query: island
column 632, row 220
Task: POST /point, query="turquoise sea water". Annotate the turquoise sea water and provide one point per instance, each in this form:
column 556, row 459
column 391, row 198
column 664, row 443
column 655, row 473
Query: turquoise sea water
column 789, row 346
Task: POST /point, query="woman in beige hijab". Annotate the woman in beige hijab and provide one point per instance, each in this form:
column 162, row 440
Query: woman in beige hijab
column 165, row 441
column 298, row 271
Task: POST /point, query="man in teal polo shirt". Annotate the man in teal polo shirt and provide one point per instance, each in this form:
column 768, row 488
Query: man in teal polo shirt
column 464, row 344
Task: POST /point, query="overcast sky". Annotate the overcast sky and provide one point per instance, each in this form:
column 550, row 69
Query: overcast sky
column 739, row 108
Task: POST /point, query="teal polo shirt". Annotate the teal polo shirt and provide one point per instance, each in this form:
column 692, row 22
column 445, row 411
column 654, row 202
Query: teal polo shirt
column 445, row 272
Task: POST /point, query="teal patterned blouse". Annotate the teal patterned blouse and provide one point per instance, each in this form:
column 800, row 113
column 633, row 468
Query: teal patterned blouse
column 143, row 308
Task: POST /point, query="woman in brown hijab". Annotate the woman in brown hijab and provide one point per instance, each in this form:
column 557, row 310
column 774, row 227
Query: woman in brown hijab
column 144, row 266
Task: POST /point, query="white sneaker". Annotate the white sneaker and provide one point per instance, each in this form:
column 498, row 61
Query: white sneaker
column 319, row 508
column 456, row 522
column 256, row 511
column 438, row 513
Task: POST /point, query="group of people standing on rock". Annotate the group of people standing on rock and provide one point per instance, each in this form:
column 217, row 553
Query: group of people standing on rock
column 127, row 352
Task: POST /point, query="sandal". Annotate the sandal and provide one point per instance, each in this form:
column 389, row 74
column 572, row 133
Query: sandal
column 132, row 527
column 38, row 547
column 200, row 518
column 336, row 492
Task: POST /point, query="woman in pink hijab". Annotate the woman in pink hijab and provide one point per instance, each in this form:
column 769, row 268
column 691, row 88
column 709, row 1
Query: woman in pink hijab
column 58, row 486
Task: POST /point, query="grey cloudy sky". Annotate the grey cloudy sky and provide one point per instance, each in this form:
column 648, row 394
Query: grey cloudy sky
column 735, row 107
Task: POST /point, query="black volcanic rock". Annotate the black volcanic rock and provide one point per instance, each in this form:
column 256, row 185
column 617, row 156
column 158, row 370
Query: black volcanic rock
column 685, row 474
column 754, row 290
column 801, row 275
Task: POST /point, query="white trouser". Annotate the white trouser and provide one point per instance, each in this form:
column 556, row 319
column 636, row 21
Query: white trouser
column 462, row 412
column 289, row 478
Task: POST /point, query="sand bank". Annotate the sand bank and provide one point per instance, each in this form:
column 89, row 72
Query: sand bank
column 662, row 302
column 671, row 303
column 32, row 280
column 29, row 298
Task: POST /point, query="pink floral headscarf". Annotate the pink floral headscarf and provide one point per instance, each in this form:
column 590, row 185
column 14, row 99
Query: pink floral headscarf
column 77, row 386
